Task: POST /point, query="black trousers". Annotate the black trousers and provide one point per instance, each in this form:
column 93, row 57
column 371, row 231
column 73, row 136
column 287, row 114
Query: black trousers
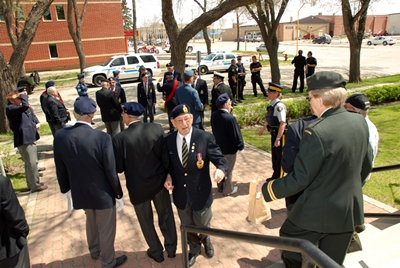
column 256, row 79
column 332, row 244
column 148, row 112
column 297, row 74
column 166, row 221
column 201, row 113
column 276, row 153
column 171, row 126
column 233, row 87
column 242, row 82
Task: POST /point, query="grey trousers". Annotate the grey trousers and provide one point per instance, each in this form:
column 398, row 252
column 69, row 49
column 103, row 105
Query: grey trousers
column 101, row 225
column 144, row 212
column 29, row 155
column 228, row 185
column 113, row 128
column 201, row 218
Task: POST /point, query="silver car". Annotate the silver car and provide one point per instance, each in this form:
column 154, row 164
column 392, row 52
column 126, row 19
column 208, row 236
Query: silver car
column 263, row 48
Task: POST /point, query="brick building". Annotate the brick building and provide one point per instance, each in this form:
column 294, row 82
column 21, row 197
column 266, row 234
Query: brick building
column 52, row 48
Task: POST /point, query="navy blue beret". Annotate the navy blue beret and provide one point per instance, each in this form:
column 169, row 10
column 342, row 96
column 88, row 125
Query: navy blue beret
column 84, row 105
column 20, row 89
column 80, row 76
column 222, row 99
column 133, row 108
column 49, row 84
column 179, row 110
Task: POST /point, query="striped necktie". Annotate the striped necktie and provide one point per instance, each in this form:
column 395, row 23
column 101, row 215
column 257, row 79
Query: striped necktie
column 184, row 153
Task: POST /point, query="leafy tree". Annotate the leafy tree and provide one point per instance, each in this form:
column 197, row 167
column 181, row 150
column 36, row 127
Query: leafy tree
column 10, row 72
column 264, row 13
column 76, row 19
column 179, row 39
column 126, row 16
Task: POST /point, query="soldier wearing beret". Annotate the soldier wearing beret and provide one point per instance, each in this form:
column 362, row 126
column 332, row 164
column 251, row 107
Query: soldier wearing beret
column 85, row 167
column 333, row 161
column 190, row 152
column 146, row 96
column 81, row 87
column 168, row 90
column 276, row 125
column 219, row 88
column 140, row 154
column 177, row 75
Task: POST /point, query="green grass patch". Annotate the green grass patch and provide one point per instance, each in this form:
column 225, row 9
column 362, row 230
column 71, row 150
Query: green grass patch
column 250, row 136
column 18, row 182
column 43, row 131
column 60, row 79
column 374, row 81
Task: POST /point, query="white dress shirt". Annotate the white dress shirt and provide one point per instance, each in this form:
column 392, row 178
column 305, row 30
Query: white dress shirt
column 179, row 142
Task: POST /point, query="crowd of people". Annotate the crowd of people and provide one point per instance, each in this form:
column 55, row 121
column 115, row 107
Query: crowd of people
column 325, row 169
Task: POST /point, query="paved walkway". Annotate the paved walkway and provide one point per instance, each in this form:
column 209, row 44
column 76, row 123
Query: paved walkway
column 57, row 240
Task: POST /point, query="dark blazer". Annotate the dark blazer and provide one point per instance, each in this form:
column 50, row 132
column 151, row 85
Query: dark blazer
column 215, row 92
column 43, row 104
column 185, row 94
column 56, row 110
column 334, row 159
column 22, row 122
column 120, row 94
column 202, row 89
column 193, row 185
column 110, row 109
column 140, row 153
column 177, row 76
column 166, row 89
column 226, row 132
column 13, row 226
column 85, row 164
column 143, row 97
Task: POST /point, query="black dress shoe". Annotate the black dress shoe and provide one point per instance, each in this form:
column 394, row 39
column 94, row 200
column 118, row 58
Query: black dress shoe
column 209, row 250
column 240, row 101
column 242, row 98
column 171, row 255
column 154, row 258
column 95, row 257
column 192, row 259
column 120, row 260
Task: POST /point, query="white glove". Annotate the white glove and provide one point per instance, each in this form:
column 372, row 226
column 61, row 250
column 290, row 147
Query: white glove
column 67, row 196
column 119, row 204
column 241, row 151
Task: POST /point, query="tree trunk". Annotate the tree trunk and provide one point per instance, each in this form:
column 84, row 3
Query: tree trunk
column 76, row 33
column 7, row 83
column 354, row 71
column 272, row 48
column 207, row 39
column 238, row 31
column 134, row 25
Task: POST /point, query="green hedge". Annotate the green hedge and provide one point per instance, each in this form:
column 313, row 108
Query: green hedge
column 255, row 114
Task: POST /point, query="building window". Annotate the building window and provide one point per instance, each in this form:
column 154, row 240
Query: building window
column 47, row 15
column 53, row 51
column 60, row 12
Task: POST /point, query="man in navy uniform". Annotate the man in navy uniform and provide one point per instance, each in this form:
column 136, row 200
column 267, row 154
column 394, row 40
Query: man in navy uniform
column 140, row 153
column 116, row 77
column 119, row 94
column 201, row 86
column 188, row 95
column 81, row 87
column 276, row 125
column 219, row 88
column 86, row 172
column 168, row 92
column 190, row 151
column 228, row 136
column 330, row 167
column 171, row 69
column 146, row 96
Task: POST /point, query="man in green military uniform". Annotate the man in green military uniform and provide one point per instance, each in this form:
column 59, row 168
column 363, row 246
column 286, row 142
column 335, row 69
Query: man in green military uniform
column 334, row 159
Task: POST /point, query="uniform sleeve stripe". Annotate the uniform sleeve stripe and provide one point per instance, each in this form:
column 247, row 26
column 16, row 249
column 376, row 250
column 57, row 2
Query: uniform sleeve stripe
column 270, row 191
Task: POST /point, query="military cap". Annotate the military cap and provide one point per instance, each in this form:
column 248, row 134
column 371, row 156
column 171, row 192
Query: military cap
column 133, row 108
column 218, row 75
column 274, row 87
column 222, row 99
column 20, row 89
column 179, row 110
column 188, row 73
column 104, row 80
column 116, row 72
column 359, row 101
column 170, row 64
column 325, row 80
column 49, row 84
column 80, row 76
column 111, row 79
column 84, row 105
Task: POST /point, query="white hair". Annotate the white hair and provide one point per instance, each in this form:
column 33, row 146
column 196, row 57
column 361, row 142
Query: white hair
column 51, row 90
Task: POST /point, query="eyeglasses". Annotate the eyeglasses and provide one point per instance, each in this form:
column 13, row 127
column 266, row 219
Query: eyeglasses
column 180, row 121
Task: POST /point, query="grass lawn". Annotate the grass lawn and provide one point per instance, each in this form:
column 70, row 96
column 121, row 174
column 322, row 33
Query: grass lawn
column 43, row 131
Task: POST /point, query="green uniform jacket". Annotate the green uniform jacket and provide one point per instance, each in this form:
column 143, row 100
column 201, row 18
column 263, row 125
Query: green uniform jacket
column 333, row 160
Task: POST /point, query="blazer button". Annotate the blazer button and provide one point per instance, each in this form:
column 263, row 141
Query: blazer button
column 185, row 174
column 184, row 185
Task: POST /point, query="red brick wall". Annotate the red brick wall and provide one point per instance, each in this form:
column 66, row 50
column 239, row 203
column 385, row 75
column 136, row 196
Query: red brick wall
column 102, row 36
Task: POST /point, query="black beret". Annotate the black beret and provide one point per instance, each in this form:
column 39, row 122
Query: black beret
column 170, row 64
column 179, row 110
column 84, row 105
column 104, row 80
column 222, row 99
column 133, row 108
column 324, row 80
column 49, row 84
column 80, row 76
column 359, row 101
column 116, row 72
column 274, row 87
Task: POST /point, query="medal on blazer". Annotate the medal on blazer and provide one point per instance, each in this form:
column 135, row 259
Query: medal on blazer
column 200, row 161
column 193, row 148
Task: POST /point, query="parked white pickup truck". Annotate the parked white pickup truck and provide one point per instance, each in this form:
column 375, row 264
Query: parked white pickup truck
column 219, row 62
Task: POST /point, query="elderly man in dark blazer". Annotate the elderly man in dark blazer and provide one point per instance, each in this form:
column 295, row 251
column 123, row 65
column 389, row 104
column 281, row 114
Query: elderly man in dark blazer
column 201, row 86
column 190, row 151
column 110, row 109
column 140, row 153
column 56, row 109
column 228, row 137
column 85, row 166
column 24, row 124
column 13, row 229
column 330, row 167
column 168, row 91
column 146, row 96
column 177, row 75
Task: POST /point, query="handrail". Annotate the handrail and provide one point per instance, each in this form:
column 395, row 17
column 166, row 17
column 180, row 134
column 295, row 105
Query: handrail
column 385, row 168
column 306, row 248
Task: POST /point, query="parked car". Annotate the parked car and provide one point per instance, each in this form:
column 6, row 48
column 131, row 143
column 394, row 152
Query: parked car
column 219, row 62
column 253, row 39
column 29, row 82
column 241, row 39
column 379, row 33
column 127, row 64
column 325, row 39
column 382, row 40
column 167, row 48
column 263, row 48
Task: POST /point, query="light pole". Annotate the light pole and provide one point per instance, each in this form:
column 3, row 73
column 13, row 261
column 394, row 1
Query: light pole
column 181, row 19
column 298, row 26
